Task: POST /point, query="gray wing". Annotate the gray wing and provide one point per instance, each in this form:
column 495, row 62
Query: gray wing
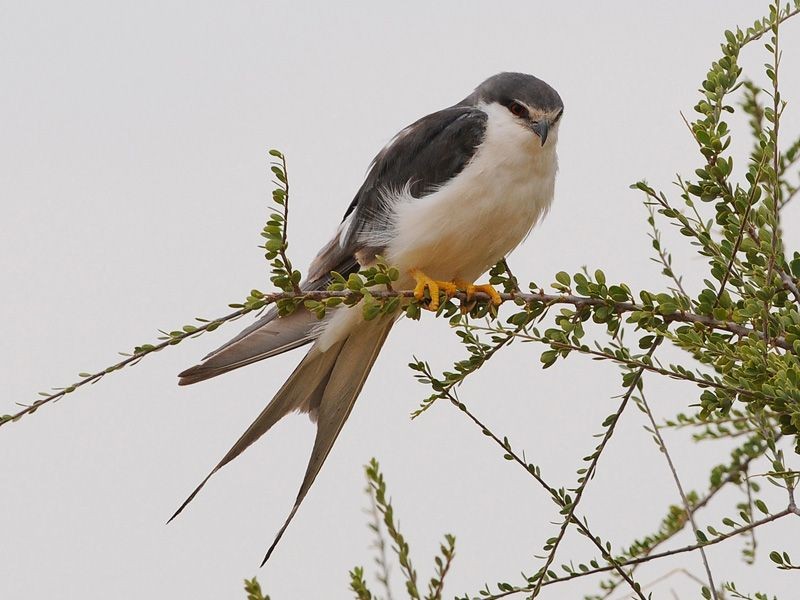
column 423, row 156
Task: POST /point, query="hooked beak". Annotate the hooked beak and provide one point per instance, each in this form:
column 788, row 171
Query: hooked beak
column 540, row 128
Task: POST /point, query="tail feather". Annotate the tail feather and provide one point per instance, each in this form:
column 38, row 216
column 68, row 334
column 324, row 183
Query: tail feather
column 325, row 384
column 304, row 385
column 267, row 337
column 356, row 355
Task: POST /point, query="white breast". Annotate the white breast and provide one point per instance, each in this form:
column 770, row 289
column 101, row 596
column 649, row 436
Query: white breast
column 461, row 230
column 470, row 223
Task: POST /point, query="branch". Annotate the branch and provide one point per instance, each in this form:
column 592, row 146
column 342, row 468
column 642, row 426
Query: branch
column 644, row 559
column 686, row 506
column 259, row 300
column 733, row 475
column 283, row 176
column 691, row 547
column 276, row 229
column 683, row 375
column 740, row 235
column 664, row 257
column 379, row 544
column 533, row 471
column 170, row 339
column 590, row 473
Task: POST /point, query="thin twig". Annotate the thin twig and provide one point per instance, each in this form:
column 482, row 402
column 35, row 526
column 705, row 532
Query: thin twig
column 792, row 504
column 740, row 235
column 678, row 484
column 380, row 545
column 511, row 276
column 591, row 469
column 790, row 285
column 282, row 252
column 664, row 257
column 634, row 363
column 644, row 559
column 716, row 422
column 533, row 472
column 733, row 476
column 669, row 575
column 438, row 589
column 130, row 360
column 750, row 507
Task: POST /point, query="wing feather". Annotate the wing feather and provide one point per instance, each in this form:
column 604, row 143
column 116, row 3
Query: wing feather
column 421, row 158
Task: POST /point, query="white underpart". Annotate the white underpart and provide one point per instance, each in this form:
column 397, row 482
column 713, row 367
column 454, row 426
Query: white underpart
column 472, row 221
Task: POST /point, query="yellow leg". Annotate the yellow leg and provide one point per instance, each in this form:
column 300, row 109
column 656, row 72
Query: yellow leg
column 488, row 289
column 433, row 285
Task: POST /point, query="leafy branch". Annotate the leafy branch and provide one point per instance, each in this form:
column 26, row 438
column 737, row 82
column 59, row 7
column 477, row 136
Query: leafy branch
column 595, row 569
column 376, row 487
column 658, row 310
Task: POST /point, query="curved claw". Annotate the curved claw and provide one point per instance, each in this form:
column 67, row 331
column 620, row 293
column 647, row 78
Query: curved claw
column 434, row 286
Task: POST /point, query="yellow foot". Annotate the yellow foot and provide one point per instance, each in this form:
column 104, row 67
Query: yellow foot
column 486, row 288
column 423, row 281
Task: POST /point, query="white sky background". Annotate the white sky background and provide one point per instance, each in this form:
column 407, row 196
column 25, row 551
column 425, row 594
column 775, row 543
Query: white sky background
column 133, row 180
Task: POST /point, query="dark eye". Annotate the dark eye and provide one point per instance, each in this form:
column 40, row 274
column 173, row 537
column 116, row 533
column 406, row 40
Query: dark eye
column 518, row 110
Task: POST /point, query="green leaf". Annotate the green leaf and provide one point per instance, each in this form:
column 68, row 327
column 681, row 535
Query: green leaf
column 761, row 506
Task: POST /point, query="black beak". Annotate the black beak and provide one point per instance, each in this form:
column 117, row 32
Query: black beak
column 541, row 128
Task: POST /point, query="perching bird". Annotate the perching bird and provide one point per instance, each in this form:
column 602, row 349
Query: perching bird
column 448, row 197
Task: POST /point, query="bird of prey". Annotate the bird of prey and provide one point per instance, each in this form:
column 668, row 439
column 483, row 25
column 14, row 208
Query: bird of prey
column 447, row 198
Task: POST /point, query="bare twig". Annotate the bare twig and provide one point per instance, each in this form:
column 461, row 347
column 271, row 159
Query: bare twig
column 733, row 476
column 790, row 285
column 664, row 257
column 750, row 507
column 687, row 507
column 511, row 276
column 669, row 575
column 792, row 503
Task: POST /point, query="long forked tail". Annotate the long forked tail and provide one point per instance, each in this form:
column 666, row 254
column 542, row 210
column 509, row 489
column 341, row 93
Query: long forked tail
column 325, row 384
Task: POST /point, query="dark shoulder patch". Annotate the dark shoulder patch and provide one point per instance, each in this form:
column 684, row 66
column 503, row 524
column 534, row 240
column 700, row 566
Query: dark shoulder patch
column 424, row 156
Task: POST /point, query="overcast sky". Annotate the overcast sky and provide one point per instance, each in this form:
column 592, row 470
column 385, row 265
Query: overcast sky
column 134, row 186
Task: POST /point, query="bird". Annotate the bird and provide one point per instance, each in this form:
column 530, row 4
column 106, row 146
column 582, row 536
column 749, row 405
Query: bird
column 446, row 199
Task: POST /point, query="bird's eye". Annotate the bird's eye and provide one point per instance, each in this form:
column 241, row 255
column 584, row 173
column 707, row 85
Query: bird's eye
column 518, row 110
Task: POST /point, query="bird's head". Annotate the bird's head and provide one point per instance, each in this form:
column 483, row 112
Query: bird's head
column 531, row 102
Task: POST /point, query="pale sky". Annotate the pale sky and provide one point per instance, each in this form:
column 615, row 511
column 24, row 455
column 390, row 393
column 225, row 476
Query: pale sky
column 134, row 186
